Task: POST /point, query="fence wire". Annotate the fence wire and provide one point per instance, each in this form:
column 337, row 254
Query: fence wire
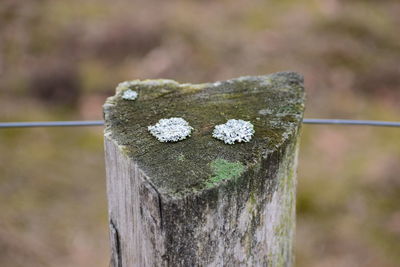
column 100, row 123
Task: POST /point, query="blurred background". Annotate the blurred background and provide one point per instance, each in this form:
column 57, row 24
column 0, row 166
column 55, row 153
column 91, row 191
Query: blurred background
column 60, row 59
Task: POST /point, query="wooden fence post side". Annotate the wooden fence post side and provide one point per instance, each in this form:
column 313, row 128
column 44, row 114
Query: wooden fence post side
column 199, row 201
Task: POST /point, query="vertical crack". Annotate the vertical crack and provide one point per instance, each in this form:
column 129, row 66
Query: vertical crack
column 160, row 210
column 159, row 205
column 116, row 257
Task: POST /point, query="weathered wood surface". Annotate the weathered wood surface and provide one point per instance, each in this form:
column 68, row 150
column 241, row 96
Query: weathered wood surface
column 200, row 202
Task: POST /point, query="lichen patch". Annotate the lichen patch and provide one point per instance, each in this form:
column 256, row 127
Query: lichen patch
column 129, row 94
column 234, row 131
column 170, row 130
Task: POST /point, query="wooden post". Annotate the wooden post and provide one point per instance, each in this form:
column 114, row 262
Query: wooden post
column 200, row 201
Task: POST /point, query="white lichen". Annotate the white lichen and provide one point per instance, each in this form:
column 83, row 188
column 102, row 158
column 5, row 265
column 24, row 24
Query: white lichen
column 234, row 131
column 129, row 94
column 170, row 130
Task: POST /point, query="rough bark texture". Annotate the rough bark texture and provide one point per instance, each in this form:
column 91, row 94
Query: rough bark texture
column 200, row 202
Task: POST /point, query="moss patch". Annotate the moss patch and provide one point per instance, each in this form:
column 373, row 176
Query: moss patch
column 223, row 170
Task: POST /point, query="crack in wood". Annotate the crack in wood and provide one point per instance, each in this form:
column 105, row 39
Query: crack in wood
column 116, row 257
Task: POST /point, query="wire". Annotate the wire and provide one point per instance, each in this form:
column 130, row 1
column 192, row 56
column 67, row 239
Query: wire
column 352, row 122
column 100, row 123
column 50, row 124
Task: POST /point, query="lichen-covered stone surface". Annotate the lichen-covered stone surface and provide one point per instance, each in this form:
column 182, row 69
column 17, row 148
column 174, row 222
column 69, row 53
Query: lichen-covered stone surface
column 201, row 202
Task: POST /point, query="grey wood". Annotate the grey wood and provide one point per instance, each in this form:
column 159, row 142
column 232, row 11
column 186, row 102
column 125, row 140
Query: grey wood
column 201, row 202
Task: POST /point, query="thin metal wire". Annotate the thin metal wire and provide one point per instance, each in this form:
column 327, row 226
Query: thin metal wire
column 100, row 123
column 352, row 122
column 50, row 124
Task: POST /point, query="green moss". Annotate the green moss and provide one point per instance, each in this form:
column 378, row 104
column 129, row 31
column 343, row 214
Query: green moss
column 223, row 170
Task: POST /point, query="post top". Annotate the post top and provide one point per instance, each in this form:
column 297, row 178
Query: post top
column 273, row 103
